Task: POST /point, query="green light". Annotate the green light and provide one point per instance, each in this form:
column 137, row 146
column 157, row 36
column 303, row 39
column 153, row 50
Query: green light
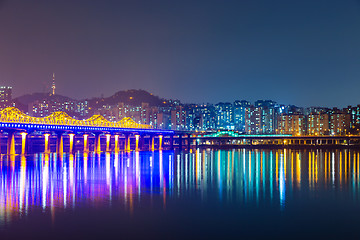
column 235, row 134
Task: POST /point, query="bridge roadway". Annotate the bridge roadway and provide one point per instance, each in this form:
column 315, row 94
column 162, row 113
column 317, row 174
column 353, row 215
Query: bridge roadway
column 68, row 135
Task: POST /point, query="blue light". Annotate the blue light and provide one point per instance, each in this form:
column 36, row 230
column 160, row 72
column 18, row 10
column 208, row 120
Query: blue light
column 109, row 129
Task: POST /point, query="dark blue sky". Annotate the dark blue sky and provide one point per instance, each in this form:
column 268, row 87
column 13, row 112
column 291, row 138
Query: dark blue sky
column 295, row 52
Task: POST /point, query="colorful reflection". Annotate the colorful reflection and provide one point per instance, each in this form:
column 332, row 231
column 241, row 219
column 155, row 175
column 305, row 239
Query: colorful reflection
column 52, row 182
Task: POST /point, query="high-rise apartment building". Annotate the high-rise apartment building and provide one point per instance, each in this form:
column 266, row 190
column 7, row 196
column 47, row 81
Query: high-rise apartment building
column 178, row 118
column 291, row 124
column 5, row 96
column 224, row 116
column 339, row 123
column 354, row 113
column 318, row 124
column 253, row 120
column 239, row 114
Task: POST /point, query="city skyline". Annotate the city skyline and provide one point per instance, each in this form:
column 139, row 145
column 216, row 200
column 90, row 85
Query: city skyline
column 259, row 117
column 51, row 89
column 193, row 51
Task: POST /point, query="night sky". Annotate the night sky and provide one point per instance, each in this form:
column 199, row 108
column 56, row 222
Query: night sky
column 305, row 53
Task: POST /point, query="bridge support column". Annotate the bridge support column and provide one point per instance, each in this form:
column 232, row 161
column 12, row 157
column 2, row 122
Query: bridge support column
column 152, row 143
column 108, row 138
column 86, row 143
column 137, row 137
column 160, row 141
column 59, row 143
column 11, row 143
column 189, row 141
column 116, row 143
column 127, row 143
column 71, row 142
column 47, row 143
column 97, row 145
column 23, row 143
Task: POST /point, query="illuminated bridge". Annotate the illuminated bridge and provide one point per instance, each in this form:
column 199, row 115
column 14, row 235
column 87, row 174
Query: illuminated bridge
column 60, row 133
column 64, row 132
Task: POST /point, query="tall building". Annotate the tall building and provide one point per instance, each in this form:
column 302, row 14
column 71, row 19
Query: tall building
column 191, row 117
column 267, row 120
column 224, row 116
column 239, row 114
column 267, row 116
column 207, row 113
column 318, row 124
column 5, row 96
column 354, row 113
column 178, row 118
column 253, row 120
column 291, row 124
column 339, row 123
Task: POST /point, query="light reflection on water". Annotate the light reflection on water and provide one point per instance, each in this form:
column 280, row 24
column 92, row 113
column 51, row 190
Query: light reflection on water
column 51, row 182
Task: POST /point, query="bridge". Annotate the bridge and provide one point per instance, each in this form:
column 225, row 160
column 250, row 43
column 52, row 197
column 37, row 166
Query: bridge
column 61, row 133
column 65, row 129
column 234, row 139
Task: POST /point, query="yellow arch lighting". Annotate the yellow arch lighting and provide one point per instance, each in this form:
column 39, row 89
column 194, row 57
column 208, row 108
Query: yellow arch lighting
column 14, row 115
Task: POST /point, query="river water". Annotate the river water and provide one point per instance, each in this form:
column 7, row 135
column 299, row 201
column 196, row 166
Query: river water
column 202, row 194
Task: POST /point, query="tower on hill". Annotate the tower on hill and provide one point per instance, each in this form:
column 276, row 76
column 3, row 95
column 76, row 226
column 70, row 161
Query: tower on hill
column 53, row 84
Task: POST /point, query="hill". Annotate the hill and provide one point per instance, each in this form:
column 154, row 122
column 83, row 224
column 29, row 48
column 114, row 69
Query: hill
column 131, row 97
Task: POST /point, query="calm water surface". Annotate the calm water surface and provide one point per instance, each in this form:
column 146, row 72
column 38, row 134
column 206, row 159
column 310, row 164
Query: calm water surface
column 169, row 195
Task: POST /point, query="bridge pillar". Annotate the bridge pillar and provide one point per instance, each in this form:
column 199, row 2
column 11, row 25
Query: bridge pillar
column 59, row 143
column 23, row 143
column 152, row 143
column 47, row 143
column 86, row 143
column 71, row 142
column 160, row 141
column 137, row 137
column 11, row 143
column 116, row 143
column 97, row 145
column 108, row 138
column 189, row 141
column 127, row 143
